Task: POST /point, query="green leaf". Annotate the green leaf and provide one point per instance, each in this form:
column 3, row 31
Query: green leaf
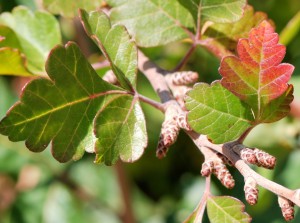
column 227, row 209
column 116, row 45
column 37, row 34
column 69, row 8
column 60, row 110
column 217, row 113
column 224, row 36
column 152, row 22
column 218, row 11
column 120, row 129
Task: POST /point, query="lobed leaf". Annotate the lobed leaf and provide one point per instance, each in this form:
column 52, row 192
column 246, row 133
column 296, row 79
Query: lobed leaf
column 120, row 129
column 159, row 23
column 116, row 45
column 217, row 11
column 69, row 8
column 256, row 75
column 227, row 209
column 224, row 36
column 62, row 109
column 217, row 113
column 37, row 34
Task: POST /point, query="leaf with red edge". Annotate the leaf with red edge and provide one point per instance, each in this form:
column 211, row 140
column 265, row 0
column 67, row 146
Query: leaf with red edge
column 278, row 108
column 256, row 75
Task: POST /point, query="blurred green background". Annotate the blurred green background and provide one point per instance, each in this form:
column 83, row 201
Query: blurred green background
column 35, row 188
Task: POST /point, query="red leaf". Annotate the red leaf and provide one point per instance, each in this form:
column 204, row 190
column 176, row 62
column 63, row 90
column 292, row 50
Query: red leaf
column 256, row 75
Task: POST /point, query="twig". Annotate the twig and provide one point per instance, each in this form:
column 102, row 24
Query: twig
column 156, row 77
column 185, row 58
column 203, row 201
column 245, row 170
column 128, row 216
column 100, row 65
column 151, row 102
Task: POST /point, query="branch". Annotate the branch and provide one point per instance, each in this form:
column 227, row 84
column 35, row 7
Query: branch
column 245, row 170
column 157, row 79
column 185, row 58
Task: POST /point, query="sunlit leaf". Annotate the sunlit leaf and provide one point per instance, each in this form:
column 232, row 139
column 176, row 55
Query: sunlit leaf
column 256, row 75
column 12, row 62
column 121, row 131
column 141, row 18
column 216, row 112
column 116, row 45
column 224, row 36
column 218, row 11
column 227, row 209
column 69, row 8
column 37, row 34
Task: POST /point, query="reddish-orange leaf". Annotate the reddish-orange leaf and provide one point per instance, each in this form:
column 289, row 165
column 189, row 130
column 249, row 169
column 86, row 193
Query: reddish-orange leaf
column 257, row 75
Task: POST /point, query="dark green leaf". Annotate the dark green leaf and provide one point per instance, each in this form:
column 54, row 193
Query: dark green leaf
column 226, row 209
column 116, row 45
column 61, row 109
column 152, row 22
column 216, row 112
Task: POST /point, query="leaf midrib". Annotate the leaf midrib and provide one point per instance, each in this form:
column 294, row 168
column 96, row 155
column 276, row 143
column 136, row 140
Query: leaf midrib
column 69, row 104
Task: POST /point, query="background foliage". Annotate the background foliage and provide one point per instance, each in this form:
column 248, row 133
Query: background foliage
column 35, row 188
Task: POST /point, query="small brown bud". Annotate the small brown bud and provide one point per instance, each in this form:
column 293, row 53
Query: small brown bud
column 287, row 208
column 207, row 168
column 246, row 154
column 161, row 149
column 251, row 191
column 182, row 121
column 184, row 77
column 223, row 174
column 265, row 159
column 170, row 128
column 169, row 132
column 179, row 93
